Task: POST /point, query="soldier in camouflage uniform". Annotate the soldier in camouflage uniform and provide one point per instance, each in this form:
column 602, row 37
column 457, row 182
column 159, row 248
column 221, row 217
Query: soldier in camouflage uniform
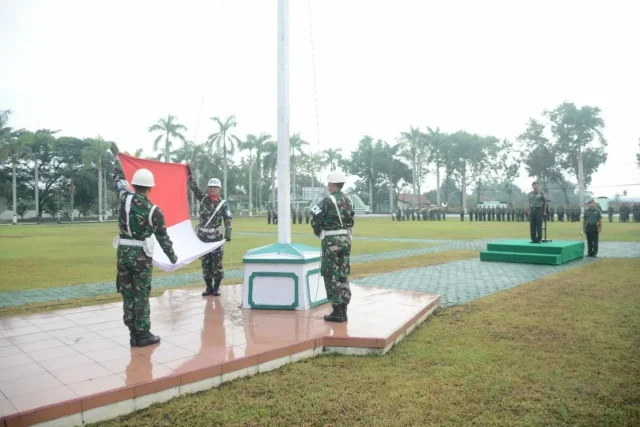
column 332, row 221
column 213, row 212
column 138, row 220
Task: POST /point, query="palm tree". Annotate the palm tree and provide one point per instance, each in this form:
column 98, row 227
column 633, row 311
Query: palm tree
column 260, row 142
column 271, row 163
column 314, row 162
column 435, row 139
column 192, row 153
column 296, row 144
column 94, row 154
column 331, row 157
column 38, row 144
column 11, row 146
column 412, row 142
column 249, row 144
column 223, row 140
column 169, row 128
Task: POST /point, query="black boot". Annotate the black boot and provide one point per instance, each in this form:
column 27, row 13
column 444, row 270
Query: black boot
column 132, row 334
column 144, row 339
column 209, row 290
column 337, row 315
column 216, row 289
column 344, row 311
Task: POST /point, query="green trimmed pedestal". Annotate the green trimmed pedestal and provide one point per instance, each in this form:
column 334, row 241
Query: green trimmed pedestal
column 283, row 277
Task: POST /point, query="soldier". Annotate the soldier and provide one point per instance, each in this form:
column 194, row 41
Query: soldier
column 592, row 227
column 306, row 216
column 293, row 214
column 138, row 220
column 269, row 216
column 332, row 222
column 471, row 214
column 213, row 212
column 610, row 212
column 393, row 217
column 462, row 215
column 536, row 203
column 275, row 217
column 398, row 214
column 299, row 216
column 552, row 213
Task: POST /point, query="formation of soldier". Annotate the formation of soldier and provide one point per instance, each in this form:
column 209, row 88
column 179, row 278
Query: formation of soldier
column 419, row 214
column 296, row 216
column 520, row 214
column 497, row 213
column 626, row 211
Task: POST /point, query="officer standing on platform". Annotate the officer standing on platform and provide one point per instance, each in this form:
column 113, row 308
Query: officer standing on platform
column 213, row 212
column 592, row 227
column 536, row 205
column 138, row 221
column 332, row 222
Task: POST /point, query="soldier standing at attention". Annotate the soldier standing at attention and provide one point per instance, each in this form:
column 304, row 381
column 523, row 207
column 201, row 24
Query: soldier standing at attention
column 461, row 215
column 213, row 212
column 536, row 203
column 332, row 222
column 610, row 212
column 592, row 227
column 138, row 221
column 269, row 216
column 306, row 215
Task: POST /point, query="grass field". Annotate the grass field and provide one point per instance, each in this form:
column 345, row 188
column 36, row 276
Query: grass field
column 561, row 351
column 44, row 256
column 35, row 257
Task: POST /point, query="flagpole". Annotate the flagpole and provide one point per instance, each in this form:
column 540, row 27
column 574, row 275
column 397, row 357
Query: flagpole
column 284, row 196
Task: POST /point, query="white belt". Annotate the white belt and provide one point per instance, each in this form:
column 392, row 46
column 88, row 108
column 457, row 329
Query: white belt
column 325, row 233
column 128, row 242
column 210, row 230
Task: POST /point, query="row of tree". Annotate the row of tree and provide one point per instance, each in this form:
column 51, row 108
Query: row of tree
column 565, row 150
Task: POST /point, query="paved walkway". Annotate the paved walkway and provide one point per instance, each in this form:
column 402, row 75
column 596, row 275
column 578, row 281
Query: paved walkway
column 456, row 281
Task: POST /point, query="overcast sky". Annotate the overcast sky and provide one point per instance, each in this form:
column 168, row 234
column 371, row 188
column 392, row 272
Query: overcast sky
column 115, row 67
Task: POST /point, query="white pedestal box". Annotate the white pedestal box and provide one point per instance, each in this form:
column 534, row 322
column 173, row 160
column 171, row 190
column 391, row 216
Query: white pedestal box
column 283, row 277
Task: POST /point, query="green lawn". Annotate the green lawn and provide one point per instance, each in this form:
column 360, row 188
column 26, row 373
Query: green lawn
column 561, row 351
column 45, row 256
column 57, row 255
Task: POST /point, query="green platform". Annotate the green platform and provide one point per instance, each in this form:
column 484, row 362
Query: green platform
column 523, row 251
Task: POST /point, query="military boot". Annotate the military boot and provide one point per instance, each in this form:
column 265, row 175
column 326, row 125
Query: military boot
column 337, row 315
column 209, row 290
column 344, row 311
column 144, row 339
column 216, row 288
column 132, row 334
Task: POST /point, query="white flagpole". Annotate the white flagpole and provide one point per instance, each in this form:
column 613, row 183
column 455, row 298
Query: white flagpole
column 284, row 197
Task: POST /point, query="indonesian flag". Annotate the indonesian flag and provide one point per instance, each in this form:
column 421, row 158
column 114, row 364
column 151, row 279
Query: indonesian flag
column 170, row 194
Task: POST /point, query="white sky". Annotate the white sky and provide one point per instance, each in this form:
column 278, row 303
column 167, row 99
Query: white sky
column 115, row 67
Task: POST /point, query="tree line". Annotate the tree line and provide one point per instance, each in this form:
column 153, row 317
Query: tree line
column 562, row 150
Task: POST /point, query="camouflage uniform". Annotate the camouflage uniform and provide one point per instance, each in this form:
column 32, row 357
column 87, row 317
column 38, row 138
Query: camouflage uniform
column 135, row 267
column 212, row 262
column 336, row 249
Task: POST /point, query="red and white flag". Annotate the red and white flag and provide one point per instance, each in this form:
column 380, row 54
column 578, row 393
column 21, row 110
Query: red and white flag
column 170, row 194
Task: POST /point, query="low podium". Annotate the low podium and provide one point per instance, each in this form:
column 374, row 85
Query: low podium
column 283, row 276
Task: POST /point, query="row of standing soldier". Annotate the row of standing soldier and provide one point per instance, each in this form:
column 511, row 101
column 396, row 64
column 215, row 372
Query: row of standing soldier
column 625, row 212
column 519, row 214
column 422, row 214
column 272, row 216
